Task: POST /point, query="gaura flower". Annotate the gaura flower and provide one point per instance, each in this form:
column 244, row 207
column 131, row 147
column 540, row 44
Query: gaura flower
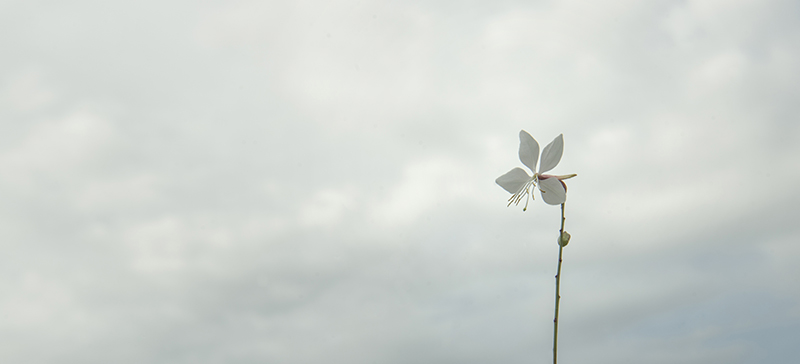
column 518, row 182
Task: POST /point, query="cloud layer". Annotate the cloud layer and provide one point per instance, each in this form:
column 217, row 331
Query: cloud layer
column 311, row 182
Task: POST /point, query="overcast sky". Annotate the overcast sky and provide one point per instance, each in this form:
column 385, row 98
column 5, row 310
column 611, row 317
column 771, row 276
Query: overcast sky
column 313, row 182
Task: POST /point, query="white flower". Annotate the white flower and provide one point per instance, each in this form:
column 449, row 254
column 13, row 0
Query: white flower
column 518, row 182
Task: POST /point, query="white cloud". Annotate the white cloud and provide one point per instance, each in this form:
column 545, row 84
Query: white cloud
column 424, row 186
column 326, row 207
column 27, row 91
column 58, row 145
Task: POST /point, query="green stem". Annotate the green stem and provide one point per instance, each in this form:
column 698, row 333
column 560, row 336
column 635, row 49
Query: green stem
column 558, row 286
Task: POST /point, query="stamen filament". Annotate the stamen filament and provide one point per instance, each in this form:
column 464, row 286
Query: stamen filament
column 524, row 191
column 527, row 200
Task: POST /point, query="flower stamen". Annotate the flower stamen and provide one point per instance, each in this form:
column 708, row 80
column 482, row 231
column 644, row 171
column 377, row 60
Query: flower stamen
column 527, row 200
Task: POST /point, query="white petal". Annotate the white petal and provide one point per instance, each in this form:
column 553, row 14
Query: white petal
column 551, row 154
column 552, row 191
column 528, row 150
column 513, row 180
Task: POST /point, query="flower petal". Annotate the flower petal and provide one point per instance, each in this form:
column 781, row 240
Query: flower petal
column 551, row 154
column 513, row 180
column 528, row 150
column 553, row 191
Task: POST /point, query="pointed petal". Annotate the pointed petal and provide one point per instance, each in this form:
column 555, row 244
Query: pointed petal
column 528, row 150
column 553, row 191
column 513, row 180
column 551, row 154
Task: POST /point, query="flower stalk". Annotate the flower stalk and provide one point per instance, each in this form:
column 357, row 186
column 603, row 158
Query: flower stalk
column 563, row 240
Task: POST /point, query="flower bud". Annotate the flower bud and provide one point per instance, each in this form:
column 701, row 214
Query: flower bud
column 563, row 240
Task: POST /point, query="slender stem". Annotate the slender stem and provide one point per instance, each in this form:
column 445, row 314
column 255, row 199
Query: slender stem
column 558, row 286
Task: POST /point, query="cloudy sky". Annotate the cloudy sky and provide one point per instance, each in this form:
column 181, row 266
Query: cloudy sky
column 313, row 182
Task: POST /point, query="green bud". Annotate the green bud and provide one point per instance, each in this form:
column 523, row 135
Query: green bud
column 563, row 240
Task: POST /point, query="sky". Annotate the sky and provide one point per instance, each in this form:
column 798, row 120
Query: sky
column 313, row 181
